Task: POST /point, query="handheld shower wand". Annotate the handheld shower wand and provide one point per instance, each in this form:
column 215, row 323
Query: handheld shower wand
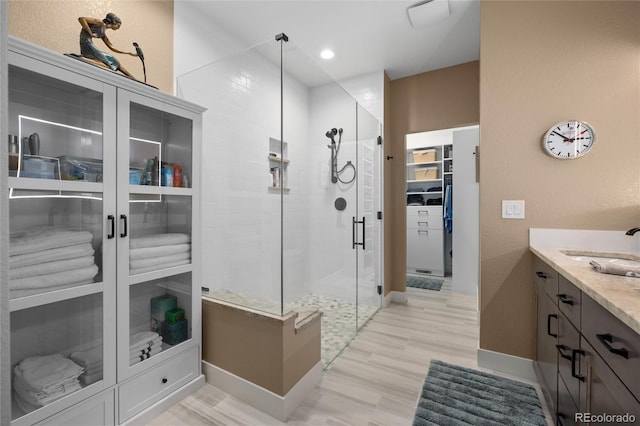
column 330, row 134
column 141, row 56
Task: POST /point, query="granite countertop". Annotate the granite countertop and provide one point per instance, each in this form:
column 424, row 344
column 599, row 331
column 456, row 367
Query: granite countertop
column 618, row 294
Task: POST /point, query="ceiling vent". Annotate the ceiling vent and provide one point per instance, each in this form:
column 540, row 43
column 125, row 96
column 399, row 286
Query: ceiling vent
column 427, row 13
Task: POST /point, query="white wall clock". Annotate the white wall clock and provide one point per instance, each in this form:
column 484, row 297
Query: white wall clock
column 569, row 139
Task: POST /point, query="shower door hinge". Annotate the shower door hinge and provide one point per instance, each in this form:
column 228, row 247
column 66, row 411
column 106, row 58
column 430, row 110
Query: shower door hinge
column 379, row 290
column 379, row 140
column 379, row 215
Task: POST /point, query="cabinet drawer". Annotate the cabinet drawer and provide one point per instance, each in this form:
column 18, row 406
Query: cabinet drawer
column 431, row 212
column 567, row 409
column 424, row 250
column 545, row 277
column 153, row 385
column 416, row 222
column 607, row 334
column 569, row 300
column 568, row 341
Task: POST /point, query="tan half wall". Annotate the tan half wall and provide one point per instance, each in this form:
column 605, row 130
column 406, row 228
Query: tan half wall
column 542, row 62
column 270, row 351
column 53, row 24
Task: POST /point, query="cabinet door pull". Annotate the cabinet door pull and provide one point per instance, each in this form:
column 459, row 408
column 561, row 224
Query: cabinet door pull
column 124, row 218
column 607, row 338
column 562, row 348
column 111, row 218
column 564, row 299
column 541, row 275
column 574, row 354
column 549, row 324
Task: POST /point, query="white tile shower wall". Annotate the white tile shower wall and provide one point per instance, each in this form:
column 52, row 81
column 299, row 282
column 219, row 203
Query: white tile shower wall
column 241, row 217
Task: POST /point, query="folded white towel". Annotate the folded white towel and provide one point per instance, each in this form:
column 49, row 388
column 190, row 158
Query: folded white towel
column 161, row 260
column 89, row 357
column 51, row 255
column 15, row 294
column 151, row 252
column 142, row 337
column 87, row 379
column 45, row 239
column 51, row 267
column 42, row 398
column 90, row 371
column 45, row 373
column 145, row 345
column 616, row 269
column 53, row 280
column 158, row 267
column 137, row 358
column 156, row 240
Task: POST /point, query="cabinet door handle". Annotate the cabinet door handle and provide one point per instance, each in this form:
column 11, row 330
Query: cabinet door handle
column 363, row 234
column 562, row 348
column 111, row 218
column 424, row 212
column 541, row 275
column 549, row 324
column 423, row 224
column 353, row 232
column 607, row 338
column 574, row 357
column 124, row 218
column 564, row 299
column 424, row 231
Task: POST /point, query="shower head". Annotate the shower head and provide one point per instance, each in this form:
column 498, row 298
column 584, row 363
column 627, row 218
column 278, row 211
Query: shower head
column 339, row 131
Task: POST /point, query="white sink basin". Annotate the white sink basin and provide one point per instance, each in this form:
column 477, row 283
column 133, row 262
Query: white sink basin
column 622, row 259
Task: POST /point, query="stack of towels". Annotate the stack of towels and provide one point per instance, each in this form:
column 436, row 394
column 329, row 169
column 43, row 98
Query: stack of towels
column 41, row 380
column 49, row 259
column 144, row 345
column 91, row 362
column 158, row 251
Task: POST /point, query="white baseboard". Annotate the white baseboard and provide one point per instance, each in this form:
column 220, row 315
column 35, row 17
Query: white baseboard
column 510, row 365
column 165, row 403
column 260, row 398
column 395, row 297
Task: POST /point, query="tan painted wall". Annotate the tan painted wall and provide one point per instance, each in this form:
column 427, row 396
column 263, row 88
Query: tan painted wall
column 54, row 24
column 542, row 62
column 434, row 100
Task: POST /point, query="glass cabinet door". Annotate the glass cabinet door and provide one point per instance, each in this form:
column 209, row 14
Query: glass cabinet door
column 155, row 244
column 61, row 254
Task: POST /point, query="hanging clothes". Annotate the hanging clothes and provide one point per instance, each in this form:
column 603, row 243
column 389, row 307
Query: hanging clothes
column 448, row 208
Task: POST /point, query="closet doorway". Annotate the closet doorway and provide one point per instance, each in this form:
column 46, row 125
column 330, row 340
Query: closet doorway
column 443, row 208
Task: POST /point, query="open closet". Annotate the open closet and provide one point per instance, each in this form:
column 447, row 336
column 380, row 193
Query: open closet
column 443, row 205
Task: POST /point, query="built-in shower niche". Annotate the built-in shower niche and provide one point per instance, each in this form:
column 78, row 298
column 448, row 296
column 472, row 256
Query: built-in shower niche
column 278, row 157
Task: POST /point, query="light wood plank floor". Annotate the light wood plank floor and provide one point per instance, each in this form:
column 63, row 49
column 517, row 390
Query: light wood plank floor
column 376, row 380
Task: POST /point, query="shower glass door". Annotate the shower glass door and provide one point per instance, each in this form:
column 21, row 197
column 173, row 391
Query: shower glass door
column 369, row 151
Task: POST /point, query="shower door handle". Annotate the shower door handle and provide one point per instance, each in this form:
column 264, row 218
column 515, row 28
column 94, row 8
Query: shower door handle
column 353, row 232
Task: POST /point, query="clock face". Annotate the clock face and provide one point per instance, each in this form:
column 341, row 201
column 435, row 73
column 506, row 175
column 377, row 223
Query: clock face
column 569, row 140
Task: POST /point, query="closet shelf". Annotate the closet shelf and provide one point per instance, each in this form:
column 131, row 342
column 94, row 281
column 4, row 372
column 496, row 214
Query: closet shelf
column 423, row 164
column 49, row 297
column 162, row 273
column 54, row 185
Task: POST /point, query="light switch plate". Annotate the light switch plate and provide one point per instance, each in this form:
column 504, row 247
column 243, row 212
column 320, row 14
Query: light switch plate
column 513, row 209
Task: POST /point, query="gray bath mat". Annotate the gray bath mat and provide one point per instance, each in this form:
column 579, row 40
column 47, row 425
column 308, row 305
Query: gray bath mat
column 454, row 395
column 425, row 283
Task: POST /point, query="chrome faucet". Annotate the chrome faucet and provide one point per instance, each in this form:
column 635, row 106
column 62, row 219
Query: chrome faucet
column 632, row 231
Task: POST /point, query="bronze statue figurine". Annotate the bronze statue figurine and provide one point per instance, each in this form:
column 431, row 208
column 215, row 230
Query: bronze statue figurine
column 96, row 28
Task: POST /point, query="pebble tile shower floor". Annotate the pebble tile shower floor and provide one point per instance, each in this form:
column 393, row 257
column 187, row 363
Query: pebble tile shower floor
column 338, row 318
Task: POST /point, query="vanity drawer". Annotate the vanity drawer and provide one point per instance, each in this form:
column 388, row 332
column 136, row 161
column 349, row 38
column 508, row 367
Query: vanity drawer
column 569, row 300
column 153, row 385
column 615, row 342
column 545, row 277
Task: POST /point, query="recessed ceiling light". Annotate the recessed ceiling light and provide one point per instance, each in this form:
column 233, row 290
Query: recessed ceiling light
column 326, row 54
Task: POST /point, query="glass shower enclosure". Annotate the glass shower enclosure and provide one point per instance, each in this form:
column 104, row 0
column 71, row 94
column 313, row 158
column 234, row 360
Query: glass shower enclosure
column 291, row 190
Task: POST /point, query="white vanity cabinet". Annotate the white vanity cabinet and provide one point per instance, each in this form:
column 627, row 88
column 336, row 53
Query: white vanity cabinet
column 78, row 295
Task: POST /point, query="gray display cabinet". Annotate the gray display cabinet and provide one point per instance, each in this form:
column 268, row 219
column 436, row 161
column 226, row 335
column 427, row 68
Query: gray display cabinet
column 96, row 239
